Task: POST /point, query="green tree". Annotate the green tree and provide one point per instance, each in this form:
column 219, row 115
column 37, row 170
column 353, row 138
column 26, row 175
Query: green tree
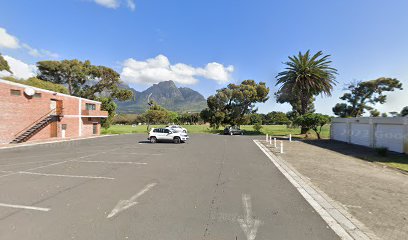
column 4, row 66
column 375, row 113
column 277, row 118
column 256, row 120
column 110, row 106
column 404, row 111
column 305, row 76
column 157, row 114
column 362, row 95
column 73, row 73
column 231, row 105
column 314, row 121
column 35, row 82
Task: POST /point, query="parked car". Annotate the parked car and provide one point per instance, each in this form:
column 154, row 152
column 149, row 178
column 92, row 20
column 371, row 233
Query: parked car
column 166, row 135
column 177, row 128
column 233, row 130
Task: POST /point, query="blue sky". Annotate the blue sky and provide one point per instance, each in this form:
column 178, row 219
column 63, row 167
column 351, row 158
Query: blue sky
column 207, row 44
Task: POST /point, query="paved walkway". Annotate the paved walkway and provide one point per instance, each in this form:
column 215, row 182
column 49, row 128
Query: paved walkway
column 375, row 195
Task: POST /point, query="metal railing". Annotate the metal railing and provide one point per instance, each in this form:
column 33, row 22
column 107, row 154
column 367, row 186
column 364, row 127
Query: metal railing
column 37, row 121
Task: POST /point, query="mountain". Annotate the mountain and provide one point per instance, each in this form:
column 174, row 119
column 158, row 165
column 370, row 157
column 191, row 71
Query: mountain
column 167, row 95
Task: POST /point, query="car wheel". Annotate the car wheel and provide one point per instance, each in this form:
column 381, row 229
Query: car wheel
column 153, row 140
column 176, row 140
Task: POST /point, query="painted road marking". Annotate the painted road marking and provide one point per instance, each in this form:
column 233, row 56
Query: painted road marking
column 62, row 162
column 248, row 224
column 24, row 163
column 144, row 154
column 25, row 207
column 58, row 175
column 125, row 204
column 109, row 162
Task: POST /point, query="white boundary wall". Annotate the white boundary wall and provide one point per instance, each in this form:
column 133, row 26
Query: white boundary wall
column 391, row 132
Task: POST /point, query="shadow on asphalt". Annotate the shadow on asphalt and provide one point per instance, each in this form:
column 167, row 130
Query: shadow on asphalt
column 361, row 152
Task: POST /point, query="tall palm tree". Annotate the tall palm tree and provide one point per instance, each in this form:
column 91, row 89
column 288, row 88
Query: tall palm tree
column 306, row 76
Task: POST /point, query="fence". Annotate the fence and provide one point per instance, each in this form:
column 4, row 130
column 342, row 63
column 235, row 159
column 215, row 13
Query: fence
column 391, row 133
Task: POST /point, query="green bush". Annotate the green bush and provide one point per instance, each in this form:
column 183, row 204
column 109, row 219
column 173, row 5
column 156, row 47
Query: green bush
column 257, row 127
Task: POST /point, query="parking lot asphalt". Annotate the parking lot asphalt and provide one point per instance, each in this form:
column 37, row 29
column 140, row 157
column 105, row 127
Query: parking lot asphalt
column 120, row 187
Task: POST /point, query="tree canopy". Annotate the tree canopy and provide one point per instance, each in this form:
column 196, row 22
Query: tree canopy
column 84, row 79
column 35, row 82
column 363, row 95
column 314, row 121
column 4, row 66
column 230, row 105
column 305, row 76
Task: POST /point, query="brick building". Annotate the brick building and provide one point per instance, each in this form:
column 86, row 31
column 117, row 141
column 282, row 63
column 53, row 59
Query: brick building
column 28, row 113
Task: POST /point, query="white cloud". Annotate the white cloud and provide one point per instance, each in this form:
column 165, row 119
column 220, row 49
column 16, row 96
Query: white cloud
column 7, row 40
column 19, row 68
column 116, row 3
column 39, row 52
column 108, row 3
column 12, row 42
column 131, row 4
column 159, row 69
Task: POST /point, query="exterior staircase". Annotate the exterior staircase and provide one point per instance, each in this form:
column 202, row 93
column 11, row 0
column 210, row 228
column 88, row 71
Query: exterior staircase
column 31, row 131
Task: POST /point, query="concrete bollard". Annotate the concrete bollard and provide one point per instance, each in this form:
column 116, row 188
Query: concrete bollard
column 274, row 142
column 270, row 140
column 266, row 137
column 290, row 137
column 281, row 147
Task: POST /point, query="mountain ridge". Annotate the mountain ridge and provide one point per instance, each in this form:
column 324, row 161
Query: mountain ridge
column 167, row 95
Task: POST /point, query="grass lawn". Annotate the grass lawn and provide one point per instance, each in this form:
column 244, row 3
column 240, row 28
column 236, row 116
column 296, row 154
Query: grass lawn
column 274, row 130
column 399, row 161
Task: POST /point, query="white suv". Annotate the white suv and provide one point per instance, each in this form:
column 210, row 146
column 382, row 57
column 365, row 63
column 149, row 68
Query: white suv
column 166, row 135
column 177, row 128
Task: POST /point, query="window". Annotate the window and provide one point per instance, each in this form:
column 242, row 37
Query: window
column 37, row 95
column 166, row 131
column 90, row 106
column 90, row 119
column 14, row 92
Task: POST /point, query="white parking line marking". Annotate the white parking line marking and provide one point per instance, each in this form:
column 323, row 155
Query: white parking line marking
column 25, row 207
column 62, row 162
column 24, row 163
column 108, row 162
column 57, row 175
column 125, row 204
column 145, row 154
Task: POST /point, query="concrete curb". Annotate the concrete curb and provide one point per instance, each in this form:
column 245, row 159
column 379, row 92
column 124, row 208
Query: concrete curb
column 342, row 223
column 54, row 142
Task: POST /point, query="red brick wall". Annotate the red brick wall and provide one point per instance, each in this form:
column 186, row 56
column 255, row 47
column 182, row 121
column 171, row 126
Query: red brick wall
column 87, row 127
column 20, row 112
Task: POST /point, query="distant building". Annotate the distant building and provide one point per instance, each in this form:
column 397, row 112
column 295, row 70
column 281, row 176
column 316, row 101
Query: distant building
column 28, row 113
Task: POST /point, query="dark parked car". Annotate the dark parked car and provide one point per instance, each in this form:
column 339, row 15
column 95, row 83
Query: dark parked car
column 233, row 130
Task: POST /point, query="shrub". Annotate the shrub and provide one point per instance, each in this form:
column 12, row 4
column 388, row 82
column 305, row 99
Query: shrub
column 257, row 127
